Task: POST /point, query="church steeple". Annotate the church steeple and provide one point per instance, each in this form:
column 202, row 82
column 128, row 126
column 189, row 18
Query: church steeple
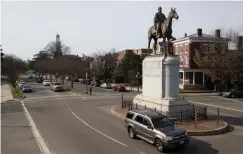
column 57, row 37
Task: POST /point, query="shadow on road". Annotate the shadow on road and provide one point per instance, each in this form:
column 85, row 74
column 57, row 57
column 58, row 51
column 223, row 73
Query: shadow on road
column 236, row 121
column 194, row 147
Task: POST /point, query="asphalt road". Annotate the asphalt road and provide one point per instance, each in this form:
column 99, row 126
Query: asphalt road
column 84, row 124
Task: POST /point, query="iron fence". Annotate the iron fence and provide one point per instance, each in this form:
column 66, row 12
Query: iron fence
column 200, row 112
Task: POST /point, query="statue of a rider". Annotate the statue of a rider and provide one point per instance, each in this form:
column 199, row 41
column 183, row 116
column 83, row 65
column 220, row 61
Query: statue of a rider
column 159, row 18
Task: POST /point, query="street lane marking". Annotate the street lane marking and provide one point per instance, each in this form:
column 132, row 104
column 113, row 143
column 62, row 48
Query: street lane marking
column 228, row 99
column 40, row 141
column 142, row 152
column 216, row 106
column 93, row 127
column 225, row 114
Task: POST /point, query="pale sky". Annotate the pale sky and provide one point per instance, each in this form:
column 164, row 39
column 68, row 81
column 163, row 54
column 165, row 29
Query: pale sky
column 26, row 27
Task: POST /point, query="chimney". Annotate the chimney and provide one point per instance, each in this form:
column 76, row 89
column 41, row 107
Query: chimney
column 240, row 43
column 199, row 32
column 217, row 33
column 185, row 34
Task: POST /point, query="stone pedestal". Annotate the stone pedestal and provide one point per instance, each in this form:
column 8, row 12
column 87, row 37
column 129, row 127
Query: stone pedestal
column 161, row 86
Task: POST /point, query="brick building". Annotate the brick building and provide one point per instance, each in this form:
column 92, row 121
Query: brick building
column 191, row 76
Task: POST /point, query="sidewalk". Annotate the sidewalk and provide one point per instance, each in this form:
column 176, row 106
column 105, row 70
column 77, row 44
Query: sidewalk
column 16, row 136
column 6, row 93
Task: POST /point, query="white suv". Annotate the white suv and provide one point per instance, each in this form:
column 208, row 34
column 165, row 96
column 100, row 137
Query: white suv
column 56, row 86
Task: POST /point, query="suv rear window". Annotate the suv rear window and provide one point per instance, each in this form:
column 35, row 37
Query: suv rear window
column 130, row 115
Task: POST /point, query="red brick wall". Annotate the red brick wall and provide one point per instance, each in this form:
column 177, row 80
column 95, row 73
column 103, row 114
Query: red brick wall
column 182, row 52
column 193, row 46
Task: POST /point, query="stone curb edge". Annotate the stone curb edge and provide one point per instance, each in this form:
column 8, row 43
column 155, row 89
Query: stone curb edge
column 218, row 131
column 117, row 114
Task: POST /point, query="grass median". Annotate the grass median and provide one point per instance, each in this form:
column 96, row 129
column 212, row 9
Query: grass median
column 16, row 93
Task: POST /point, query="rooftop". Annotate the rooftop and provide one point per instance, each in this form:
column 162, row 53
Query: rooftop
column 202, row 36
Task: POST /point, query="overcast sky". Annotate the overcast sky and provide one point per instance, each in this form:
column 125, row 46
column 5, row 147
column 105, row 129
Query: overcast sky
column 87, row 27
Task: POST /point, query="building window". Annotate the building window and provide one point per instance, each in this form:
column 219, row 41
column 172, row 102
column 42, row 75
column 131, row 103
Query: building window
column 180, row 51
column 181, row 60
column 186, row 49
column 186, row 59
column 176, row 50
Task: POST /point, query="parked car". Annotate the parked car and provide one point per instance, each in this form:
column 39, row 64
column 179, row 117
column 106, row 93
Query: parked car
column 155, row 128
column 76, row 80
column 56, row 86
column 46, row 83
column 31, row 76
column 67, row 78
column 235, row 92
column 40, row 79
column 26, row 88
column 21, row 83
column 115, row 88
column 81, row 80
column 121, row 89
column 105, row 85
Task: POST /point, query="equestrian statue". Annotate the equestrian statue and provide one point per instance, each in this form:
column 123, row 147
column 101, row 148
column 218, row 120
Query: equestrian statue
column 162, row 28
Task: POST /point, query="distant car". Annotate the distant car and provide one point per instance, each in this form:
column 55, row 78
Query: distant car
column 106, row 85
column 56, row 86
column 220, row 93
column 46, row 83
column 31, row 76
column 115, row 88
column 81, row 80
column 21, row 83
column 40, row 80
column 76, row 80
column 67, row 78
column 235, row 92
column 26, row 88
column 121, row 89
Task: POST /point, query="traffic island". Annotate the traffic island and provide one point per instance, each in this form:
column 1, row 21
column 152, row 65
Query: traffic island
column 210, row 126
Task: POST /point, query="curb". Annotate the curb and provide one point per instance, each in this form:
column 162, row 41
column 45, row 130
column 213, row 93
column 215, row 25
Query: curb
column 217, row 131
column 117, row 114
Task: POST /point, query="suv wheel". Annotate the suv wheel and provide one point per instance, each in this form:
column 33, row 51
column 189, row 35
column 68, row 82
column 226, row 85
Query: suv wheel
column 159, row 145
column 131, row 133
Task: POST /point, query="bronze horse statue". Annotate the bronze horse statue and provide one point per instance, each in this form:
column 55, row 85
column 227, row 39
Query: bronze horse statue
column 166, row 29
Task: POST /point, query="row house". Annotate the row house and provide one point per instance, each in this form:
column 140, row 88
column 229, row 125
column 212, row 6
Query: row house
column 191, row 76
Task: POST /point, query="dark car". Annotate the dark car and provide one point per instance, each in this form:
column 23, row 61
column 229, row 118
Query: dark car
column 156, row 129
column 26, row 88
column 235, row 92
column 40, row 80
column 121, row 89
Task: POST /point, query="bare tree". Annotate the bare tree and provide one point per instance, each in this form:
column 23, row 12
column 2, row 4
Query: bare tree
column 221, row 66
column 57, row 49
column 104, row 63
column 232, row 34
column 12, row 67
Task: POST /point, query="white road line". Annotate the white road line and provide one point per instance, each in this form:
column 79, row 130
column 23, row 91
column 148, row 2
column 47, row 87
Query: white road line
column 40, row 141
column 94, row 128
column 216, row 106
column 228, row 99
column 142, row 152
